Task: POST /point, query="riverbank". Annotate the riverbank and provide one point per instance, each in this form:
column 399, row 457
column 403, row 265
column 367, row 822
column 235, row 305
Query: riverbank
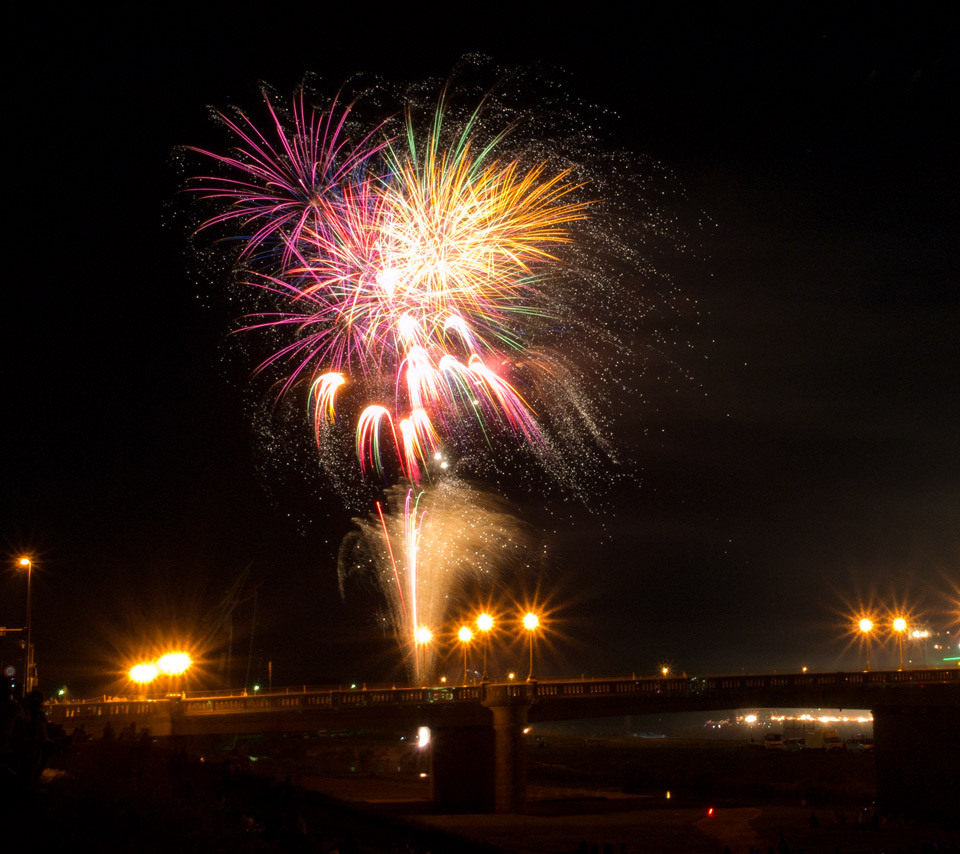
column 366, row 794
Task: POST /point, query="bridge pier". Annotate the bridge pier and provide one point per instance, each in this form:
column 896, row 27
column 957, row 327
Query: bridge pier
column 509, row 705
column 484, row 768
column 510, row 783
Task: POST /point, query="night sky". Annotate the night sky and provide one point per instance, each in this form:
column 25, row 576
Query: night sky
column 795, row 444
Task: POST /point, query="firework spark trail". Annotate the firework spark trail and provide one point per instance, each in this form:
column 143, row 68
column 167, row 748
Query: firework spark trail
column 412, row 526
column 425, row 263
column 425, row 547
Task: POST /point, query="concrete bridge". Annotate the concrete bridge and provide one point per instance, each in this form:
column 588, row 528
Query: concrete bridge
column 478, row 758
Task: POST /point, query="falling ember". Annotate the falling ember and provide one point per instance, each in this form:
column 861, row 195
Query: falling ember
column 324, row 391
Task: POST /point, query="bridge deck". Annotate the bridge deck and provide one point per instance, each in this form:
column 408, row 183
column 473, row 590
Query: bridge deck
column 307, row 708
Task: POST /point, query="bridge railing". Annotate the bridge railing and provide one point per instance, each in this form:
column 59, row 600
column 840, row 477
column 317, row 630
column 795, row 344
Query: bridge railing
column 583, row 688
column 709, row 684
column 107, row 709
column 220, row 705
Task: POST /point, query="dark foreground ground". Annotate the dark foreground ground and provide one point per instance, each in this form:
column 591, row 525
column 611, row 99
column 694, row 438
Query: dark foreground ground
column 366, row 794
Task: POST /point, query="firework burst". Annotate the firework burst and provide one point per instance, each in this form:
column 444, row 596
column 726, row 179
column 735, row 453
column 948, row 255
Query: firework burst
column 416, row 267
column 273, row 190
column 435, row 290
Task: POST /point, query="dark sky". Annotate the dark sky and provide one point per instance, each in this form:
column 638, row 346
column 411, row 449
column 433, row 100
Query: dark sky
column 797, row 449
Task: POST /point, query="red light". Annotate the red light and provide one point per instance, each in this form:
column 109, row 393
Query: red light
column 710, row 811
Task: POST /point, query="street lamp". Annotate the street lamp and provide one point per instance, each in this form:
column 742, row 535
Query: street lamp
column 530, row 622
column 900, row 626
column 423, row 637
column 485, row 624
column 144, row 673
column 465, row 635
column 174, row 663
column 866, row 626
column 170, row 664
column 28, row 651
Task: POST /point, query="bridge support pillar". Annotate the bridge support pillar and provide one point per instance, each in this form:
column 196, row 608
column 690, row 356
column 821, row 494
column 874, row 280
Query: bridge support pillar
column 917, row 756
column 509, row 704
column 484, row 768
column 510, row 785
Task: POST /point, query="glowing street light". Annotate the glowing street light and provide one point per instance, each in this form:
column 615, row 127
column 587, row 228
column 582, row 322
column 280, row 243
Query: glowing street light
column 900, row 626
column 866, row 626
column 423, row 636
column 169, row 664
column 28, row 679
column 466, row 635
column 144, row 673
column 485, row 625
column 174, row 663
column 531, row 622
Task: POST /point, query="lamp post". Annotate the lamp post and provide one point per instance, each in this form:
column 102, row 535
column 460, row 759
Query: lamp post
column 28, row 650
column 485, row 624
column 465, row 635
column 530, row 622
column 900, row 626
column 866, row 626
column 170, row 665
column 143, row 673
column 173, row 665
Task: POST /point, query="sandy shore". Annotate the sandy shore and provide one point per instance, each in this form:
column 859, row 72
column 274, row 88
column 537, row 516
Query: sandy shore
column 557, row 821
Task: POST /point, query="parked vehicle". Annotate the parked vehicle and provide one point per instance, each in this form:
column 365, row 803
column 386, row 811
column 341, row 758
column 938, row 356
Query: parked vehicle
column 822, row 739
column 773, row 741
column 831, row 741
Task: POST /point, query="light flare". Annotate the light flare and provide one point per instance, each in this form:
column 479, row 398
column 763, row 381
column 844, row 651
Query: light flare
column 144, row 673
column 174, row 663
